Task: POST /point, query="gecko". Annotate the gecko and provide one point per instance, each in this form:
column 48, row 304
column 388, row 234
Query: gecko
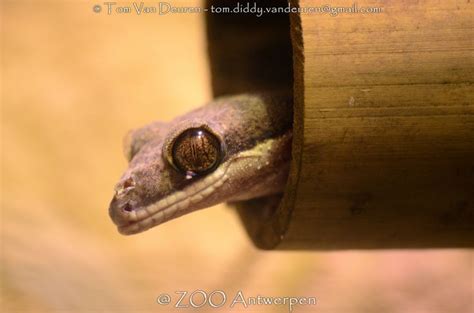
column 232, row 149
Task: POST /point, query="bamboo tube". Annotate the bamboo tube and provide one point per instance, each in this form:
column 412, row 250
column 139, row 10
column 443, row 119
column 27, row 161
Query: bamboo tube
column 383, row 151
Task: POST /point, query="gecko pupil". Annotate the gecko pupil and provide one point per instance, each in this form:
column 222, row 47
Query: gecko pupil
column 196, row 151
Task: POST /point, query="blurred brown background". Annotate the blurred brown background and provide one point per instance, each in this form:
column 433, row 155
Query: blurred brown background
column 73, row 83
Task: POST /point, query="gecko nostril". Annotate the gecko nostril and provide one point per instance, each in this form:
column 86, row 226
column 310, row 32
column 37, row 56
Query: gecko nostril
column 127, row 207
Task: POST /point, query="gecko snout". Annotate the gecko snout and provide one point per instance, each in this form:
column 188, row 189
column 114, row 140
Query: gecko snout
column 119, row 209
column 122, row 194
column 124, row 186
column 121, row 203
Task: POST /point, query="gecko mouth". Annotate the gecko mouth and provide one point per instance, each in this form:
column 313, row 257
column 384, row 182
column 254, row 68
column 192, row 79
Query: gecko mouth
column 173, row 205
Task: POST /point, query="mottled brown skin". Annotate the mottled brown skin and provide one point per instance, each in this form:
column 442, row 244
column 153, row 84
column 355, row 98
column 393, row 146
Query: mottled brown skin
column 254, row 137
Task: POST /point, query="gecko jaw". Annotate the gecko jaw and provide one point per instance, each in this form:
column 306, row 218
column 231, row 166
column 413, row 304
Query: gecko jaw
column 174, row 205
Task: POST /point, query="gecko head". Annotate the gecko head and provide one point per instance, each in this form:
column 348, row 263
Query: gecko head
column 172, row 171
column 221, row 152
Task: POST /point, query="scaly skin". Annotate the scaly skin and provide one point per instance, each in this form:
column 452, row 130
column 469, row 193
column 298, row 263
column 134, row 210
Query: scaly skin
column 255, row 132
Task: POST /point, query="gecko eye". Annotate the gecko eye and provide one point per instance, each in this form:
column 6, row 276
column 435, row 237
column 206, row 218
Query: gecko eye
column 196, row 151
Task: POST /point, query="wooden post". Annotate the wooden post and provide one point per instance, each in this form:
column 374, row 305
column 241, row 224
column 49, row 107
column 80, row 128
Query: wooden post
column 383, row 154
